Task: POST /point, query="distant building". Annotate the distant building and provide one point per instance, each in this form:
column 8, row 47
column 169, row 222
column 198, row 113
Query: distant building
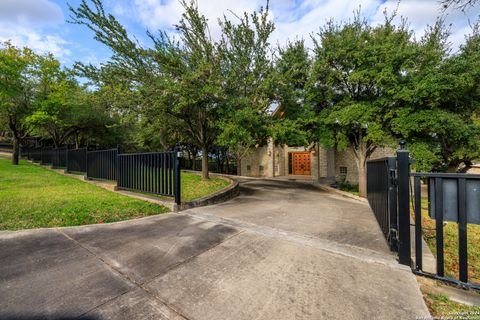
column 314, row 162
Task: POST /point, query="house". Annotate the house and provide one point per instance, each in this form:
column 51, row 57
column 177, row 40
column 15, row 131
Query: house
column 313, row 163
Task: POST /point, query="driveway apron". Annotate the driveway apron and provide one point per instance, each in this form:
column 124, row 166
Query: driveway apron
column 281, row 250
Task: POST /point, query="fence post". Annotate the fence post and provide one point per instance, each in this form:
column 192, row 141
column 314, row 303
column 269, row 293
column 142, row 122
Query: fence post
column 177, row 188
column 392, row 204
column 403, row 179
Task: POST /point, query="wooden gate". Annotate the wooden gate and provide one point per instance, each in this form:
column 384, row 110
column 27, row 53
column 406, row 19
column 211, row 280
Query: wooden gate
column 301, row 163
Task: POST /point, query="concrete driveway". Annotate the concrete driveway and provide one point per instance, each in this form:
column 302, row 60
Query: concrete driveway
column 278, row 251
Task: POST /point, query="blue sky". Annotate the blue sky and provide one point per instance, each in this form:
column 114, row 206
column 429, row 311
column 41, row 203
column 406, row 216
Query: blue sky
column 41, row 24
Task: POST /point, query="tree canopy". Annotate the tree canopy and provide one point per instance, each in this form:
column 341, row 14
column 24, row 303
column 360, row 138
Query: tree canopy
column 360, row 87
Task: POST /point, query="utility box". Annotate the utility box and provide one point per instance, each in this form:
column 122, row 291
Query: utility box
column 450, row 199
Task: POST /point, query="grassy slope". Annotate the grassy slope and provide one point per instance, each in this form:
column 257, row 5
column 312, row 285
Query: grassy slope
column 193, row 187
column 441, row 306
column 450, row 234
column 32, row 197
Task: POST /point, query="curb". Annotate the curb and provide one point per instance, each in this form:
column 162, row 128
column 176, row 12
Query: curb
column 220, row 196
column 340, row 192
column 223, row 195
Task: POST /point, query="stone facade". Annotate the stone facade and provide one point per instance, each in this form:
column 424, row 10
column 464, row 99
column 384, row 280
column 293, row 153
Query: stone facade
column 346, row 168
column 326, row 164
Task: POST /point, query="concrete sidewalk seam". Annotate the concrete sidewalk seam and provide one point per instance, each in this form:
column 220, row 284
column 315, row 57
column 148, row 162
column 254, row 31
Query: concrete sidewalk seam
column 316, row 243
column 122, row 275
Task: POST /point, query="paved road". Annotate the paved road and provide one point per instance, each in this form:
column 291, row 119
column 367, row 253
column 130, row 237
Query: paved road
column 278, row 251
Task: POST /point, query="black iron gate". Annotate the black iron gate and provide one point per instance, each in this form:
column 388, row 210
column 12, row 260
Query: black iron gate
column 451, row 197
column 382, row 196
column 387, row 193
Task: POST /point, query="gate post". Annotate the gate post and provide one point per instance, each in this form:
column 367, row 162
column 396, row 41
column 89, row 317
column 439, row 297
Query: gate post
column 392, row 204
column 176, row 187
column 403, row 179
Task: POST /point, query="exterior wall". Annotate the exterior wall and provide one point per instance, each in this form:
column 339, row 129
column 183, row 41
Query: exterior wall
column 326, row 164
column 346, row 159
column 256, row 163
column 280, row 168
column 274, row 161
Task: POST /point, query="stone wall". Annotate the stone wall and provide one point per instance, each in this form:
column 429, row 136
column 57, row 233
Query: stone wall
column 256, row 163
column 326, row 165
column 271, row 160
column 346, row 167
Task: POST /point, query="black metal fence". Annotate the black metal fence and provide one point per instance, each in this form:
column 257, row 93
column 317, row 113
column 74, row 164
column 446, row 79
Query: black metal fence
column 451, row 197
column 213, row 166
column 388, row 195
column 77, row 160
column 59, row 157
column 46, row 156
column 102, row 164
column 154, row 172
column 382, row 196
column 34, row 154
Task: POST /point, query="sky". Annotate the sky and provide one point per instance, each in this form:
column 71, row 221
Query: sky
column 42, row 24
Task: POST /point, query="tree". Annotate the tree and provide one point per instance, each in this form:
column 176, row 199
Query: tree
column 356, row 69
column 294, row 122
column 246, row 67
column 458, row 4
column 55, row 98
column 439, row 108
column 16, row 91
column 63, row 109
column 181, row 79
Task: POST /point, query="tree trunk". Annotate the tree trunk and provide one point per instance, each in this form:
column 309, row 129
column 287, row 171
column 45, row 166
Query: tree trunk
column 239, row 164
column 16, row 151
column 361, row 161
column 205, row 163
column 362, row 180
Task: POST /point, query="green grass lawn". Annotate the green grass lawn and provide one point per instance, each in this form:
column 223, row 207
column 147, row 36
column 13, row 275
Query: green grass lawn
column 442, row 306
column 193, row 187
column 450, row 234
column 33, row 197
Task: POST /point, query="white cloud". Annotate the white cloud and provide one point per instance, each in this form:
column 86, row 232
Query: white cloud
column 420, row 14
column 25, row 23
column 298, row 19
column 30, row 12
column 38, row 42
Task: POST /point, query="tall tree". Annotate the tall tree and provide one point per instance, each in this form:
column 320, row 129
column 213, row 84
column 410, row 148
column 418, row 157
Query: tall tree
column 246, row 68
column 16, row 90
column 180, row 79
column 356, row 68
column 439, row 108
column 294, row 121
column 58, row 113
